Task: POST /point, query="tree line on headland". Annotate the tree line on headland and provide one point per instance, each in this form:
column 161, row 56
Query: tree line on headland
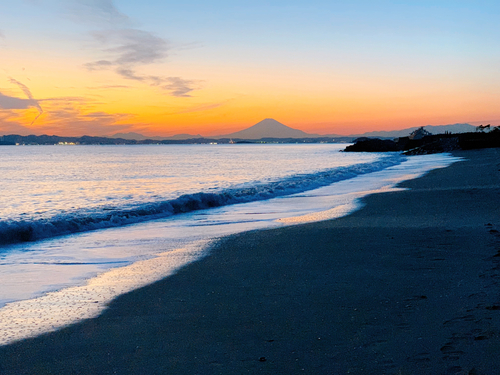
column 421, row 142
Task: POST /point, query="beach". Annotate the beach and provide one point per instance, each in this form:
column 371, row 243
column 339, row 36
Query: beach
column 409, row 284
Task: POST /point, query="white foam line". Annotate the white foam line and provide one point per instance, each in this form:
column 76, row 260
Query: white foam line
column 55, row 310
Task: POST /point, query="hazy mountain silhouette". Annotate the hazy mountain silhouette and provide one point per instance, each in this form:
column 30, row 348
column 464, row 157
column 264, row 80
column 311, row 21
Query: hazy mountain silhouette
column 433, row 129
column 269, row 128
column 140, row 137
column 183, row 136
column 130, row 135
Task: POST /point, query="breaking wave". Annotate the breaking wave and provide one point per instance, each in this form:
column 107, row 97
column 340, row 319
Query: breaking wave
column 17, row 231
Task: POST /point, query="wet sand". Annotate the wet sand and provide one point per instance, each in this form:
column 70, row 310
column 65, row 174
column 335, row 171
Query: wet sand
column 410, row 284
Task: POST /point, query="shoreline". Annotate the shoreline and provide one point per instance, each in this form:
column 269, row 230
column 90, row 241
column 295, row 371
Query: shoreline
column 83, row 298
column 408, row 284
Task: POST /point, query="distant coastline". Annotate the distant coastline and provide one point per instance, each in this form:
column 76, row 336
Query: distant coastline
column 266, row 131
column 14, row 139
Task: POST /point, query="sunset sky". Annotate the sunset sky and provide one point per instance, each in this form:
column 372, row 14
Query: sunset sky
column 99, row 67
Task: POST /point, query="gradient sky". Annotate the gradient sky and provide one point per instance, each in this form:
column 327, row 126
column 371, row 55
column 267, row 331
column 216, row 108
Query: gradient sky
column 98, row 67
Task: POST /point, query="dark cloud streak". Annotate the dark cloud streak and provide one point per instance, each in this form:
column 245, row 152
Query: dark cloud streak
column 101, row 64
column 27, row 91
column 11, row 102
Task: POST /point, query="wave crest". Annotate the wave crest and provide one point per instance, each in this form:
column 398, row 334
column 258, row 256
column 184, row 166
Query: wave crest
column 13, row 231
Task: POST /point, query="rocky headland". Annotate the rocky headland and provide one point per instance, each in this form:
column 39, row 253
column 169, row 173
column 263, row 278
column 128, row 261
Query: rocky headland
column 428, row 143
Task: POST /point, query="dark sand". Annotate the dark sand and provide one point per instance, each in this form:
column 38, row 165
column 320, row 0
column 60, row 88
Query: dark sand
column 410, row 284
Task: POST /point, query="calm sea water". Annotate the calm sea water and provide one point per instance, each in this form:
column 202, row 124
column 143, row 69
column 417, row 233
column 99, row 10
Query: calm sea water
column 44, row 181
column 82, row 224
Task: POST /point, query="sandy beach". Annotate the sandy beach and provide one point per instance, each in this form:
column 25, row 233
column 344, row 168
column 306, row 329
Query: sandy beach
column 410, row 284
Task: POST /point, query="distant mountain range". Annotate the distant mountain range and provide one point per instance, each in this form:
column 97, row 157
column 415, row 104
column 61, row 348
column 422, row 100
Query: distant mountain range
column 267, row 131
column 270, row 128
column 434, row 129
column 140, row 137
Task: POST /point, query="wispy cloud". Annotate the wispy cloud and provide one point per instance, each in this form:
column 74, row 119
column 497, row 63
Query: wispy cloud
column 100, row 64
column 126, row 49
column 70, row 116
column 8, row 126
column 179, row 87
column 13, row 103
column 129, row 74
column 77, row 115
column 72, row 120
column 64, row 115
column 129, row 48
column 2, row 35
column 67, row 99
column 96, row 12
column 27, row 91
column 139, row 47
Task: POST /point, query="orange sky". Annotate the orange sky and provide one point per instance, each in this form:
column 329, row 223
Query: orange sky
column 106, row 67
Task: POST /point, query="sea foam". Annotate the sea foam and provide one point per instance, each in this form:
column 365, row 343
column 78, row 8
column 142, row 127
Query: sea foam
column 81, row 220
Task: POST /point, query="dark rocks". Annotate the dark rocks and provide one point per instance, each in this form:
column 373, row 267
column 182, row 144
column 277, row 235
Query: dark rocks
column 373, row 145
column 430, row 144
column 433, row 145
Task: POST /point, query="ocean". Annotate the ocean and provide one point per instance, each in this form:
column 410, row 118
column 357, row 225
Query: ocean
column 80, row 225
